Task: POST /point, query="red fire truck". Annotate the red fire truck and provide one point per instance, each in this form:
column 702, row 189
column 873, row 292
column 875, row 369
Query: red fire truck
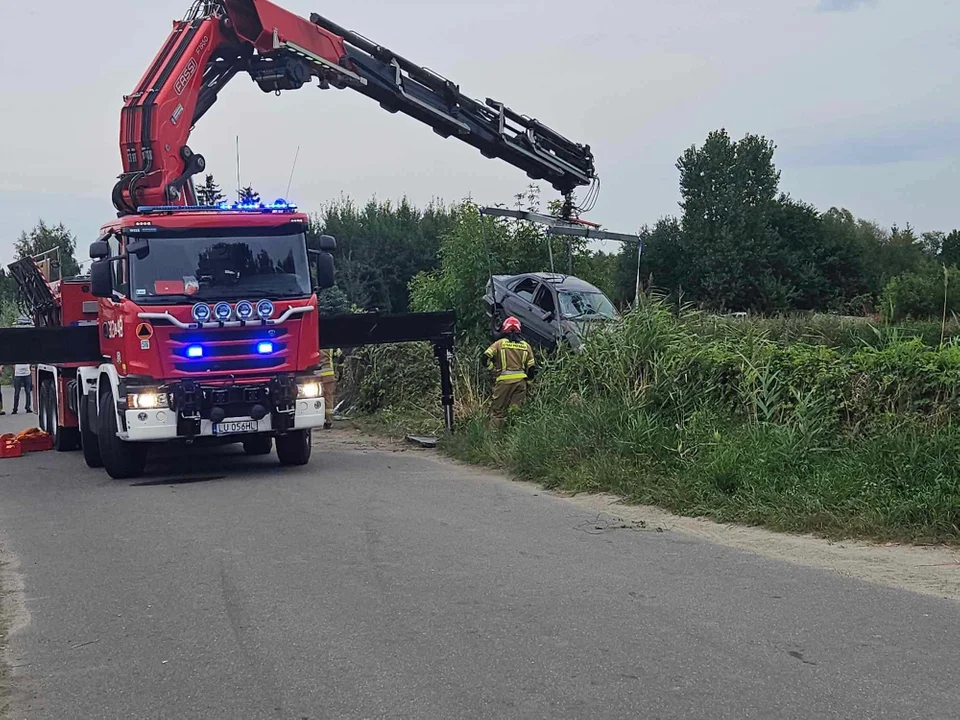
column 201, row 324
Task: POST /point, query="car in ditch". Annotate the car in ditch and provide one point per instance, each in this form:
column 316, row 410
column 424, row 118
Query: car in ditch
column 552, row 308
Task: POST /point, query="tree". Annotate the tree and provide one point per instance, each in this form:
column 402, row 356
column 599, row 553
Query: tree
column 249, row 196
column 43, row 238
column 950, row 249
column 381, row 246
column 209, row 193
column 9, row 311
column 333, row 301
column 920, row 294
column 727, row 191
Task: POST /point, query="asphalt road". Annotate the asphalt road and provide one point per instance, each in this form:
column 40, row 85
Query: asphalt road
column 377, row 583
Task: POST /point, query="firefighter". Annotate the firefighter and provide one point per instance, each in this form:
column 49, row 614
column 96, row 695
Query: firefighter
column 328, row 382
column 511, row 358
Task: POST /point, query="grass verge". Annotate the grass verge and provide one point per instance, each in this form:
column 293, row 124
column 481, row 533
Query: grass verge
column 733, row 423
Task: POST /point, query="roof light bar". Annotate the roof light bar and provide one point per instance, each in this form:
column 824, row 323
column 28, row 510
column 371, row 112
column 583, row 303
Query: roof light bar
column 280, row 206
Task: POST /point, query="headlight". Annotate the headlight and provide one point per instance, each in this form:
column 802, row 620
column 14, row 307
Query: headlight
column 244, row 310
column 201, row 312
column 222, row 311
column 147, row 400
column 265, row 309
column 309, row 390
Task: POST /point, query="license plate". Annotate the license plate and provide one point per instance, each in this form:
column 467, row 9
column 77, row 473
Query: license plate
column 235, row 428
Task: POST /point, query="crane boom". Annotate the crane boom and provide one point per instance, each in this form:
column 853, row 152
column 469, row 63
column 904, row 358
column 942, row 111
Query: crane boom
column 282, row 51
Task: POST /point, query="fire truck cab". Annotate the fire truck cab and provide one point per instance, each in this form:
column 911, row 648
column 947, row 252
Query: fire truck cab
column 208, row 332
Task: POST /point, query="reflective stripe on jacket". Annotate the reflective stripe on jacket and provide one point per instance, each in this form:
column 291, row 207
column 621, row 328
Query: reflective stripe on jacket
column 326, row 363
column 510, row 359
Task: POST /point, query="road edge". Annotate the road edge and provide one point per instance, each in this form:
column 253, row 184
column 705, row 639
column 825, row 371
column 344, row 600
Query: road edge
column 933, row 571
column 14, row 617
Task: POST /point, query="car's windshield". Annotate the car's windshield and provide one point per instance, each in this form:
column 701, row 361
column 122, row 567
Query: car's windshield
column 180, row 267
column 585, row 304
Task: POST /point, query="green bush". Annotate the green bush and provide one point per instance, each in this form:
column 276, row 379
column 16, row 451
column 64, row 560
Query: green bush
column 852, row 440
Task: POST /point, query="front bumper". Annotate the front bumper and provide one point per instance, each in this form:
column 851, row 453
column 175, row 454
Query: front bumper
column 195, row 409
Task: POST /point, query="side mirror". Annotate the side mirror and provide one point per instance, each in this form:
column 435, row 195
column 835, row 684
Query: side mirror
column 325, row 269
column 139, row 247
column 548, row 316
column 101, row 279
column 99, row 250
column 328, row 243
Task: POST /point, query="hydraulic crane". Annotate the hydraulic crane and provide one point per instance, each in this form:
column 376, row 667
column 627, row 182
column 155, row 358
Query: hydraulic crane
column 201, row 323
column 280, row 51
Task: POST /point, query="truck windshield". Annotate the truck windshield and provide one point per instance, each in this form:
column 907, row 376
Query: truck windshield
column 188, row 267
column 578, row 304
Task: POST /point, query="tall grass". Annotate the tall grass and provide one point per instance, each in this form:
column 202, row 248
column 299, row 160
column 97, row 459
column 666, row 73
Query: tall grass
column 738, row 420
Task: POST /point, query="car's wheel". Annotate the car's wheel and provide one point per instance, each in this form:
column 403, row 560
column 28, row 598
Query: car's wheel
column 121, row 459
column 88, row 438
column 258, row 445
column 295, row 447
column 496, row 320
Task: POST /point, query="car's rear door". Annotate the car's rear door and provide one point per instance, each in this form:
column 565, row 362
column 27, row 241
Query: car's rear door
column 543, row 322
column 519, row 301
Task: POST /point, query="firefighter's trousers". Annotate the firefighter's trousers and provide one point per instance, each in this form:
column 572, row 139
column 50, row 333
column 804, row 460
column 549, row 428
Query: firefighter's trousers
column 507, row 394
column 329, row 389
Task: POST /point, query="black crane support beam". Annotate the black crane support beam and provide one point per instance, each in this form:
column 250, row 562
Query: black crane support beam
column 81, row 343
column 50, row 345
column 359, row 329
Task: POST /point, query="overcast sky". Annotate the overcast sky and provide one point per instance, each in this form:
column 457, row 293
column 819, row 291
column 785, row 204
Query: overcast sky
column 861, row 97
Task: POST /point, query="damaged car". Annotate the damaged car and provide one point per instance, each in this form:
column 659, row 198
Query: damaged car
column 551, row 307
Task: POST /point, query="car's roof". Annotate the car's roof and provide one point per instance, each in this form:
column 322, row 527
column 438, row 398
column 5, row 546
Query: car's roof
column 562, row 282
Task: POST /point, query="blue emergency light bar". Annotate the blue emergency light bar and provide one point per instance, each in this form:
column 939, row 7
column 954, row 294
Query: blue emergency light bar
column 280, row 206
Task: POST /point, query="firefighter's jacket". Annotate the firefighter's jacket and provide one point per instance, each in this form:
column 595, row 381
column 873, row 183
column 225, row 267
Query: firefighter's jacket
column 510, row 358
column 327, row 372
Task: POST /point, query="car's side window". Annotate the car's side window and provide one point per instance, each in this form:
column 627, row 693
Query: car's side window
column 544, row 299
column 525, row 289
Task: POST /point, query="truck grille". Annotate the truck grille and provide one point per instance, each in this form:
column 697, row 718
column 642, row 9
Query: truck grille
column 229, row 350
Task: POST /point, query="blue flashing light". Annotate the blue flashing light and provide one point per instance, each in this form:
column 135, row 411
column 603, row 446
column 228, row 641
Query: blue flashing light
column 201, row 312
column 195, row 351
column 222, row 311
column 265, row 348
column 265, row 309
column 244, row 310
column 279, row 206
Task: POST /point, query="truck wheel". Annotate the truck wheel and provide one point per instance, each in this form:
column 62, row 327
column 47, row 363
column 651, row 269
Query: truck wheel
column 88, row 438
column 295, row 447
column 258, row 445
column 65, row 439
column 122, row 460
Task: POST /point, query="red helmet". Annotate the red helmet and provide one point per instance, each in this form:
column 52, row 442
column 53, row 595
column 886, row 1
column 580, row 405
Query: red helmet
column 511, row 324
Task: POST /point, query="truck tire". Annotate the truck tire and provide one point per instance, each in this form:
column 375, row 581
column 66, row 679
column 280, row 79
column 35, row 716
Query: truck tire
column 258, row 445
column 88, row 438
column 295, row 447
column 64, row 439
column 122, row 460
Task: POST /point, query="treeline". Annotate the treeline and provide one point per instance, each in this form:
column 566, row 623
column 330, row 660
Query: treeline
column 739, row 244
column 742, row 245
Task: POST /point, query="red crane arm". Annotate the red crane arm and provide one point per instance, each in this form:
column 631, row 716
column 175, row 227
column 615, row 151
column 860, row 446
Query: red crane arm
column 283, row 51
